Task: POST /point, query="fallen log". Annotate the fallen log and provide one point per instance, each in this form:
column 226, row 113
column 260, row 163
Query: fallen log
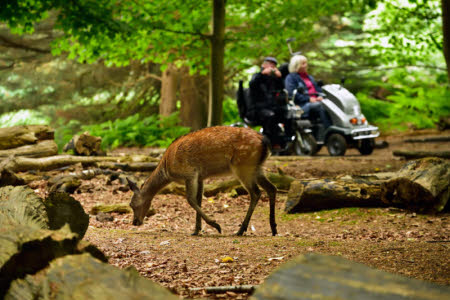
column 26, row 249
column 421, row 185
column 433, row 139
column 82, row 277
column 318, row 194
column 282, row 182
column 421, row 154
column 40, row 149
column 16, row 136
column 316, row 276
column 223, row 289
column 20, row 164
column 129, row 167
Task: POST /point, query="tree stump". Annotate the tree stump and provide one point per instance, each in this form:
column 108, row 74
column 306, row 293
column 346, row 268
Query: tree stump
column 61, row 208
column 82, row 277
column 421, row 185
column 315, row 276
column 16, row 136
column 23, row 200
column 85, row 144
column 51, row 213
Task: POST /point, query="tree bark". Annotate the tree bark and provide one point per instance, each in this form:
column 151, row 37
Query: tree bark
column 422, row 185
column 169, row 87
column 12, row 137
column 446, row 34
column 421, row 154
column 321, row 194
column 217, row 64
column 40, row 149
column 334, row 277
column 193, row 111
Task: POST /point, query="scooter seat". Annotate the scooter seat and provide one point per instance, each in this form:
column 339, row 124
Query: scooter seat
column 304, row 123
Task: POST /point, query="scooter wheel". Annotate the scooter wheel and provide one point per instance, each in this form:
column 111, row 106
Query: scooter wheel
column 366, row 146
column 309, row 145
column 336, row 144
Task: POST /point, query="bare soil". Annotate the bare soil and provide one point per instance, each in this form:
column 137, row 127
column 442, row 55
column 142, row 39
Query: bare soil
column 164, row 251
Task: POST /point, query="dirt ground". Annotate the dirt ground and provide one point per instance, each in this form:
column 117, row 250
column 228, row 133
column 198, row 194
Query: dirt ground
column 163, row 250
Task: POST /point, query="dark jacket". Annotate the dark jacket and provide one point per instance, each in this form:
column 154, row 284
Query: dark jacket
column 294, row 81
column 263, row 89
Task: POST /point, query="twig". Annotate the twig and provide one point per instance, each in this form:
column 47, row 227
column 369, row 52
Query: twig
column 228, row 288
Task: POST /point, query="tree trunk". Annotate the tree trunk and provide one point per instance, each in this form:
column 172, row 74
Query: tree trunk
column 169, row 87
column 216, row 87
column 12, row 137
column 82, row 277
column 422, row 185
column 446, row 34
column 313, row 195
column 317, row 276
column 40, row 149
column 193, row 111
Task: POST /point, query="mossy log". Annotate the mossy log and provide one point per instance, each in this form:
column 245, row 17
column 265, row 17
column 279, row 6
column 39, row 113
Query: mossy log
column 52, row 213
column 25, row 248
column 16, row 136
column 282, row 182
column 40, row 149
column 421, row 185
column 316, row 276
column 63, row 209
column 129, row 167
column 82, row 277
column 421, row 154
column 311, row 195
column 21, row 164
column 85, row 144
column 121, row 208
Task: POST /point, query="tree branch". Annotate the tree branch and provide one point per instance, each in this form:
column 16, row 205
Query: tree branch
column 11, row 44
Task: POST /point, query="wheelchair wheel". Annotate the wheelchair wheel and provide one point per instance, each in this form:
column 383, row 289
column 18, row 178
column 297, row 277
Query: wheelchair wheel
column 336, row 144
column 306, row 146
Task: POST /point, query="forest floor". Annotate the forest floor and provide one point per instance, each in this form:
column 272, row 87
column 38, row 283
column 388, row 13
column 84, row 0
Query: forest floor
column 163, row 250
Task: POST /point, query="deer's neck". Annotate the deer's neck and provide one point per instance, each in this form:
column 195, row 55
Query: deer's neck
column 155, row 182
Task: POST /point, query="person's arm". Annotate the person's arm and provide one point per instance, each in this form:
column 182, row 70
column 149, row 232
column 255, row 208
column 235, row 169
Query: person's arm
column 292, row 83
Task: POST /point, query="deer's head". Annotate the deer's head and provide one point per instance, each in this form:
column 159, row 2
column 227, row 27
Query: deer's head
column 138, row 204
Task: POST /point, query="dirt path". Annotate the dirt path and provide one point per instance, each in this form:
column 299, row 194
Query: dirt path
column 163, row 250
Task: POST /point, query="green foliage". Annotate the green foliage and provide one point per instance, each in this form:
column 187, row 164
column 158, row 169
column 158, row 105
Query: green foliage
column 23, row 117
column 134, row 131
column 230, row 111
column 416, row 101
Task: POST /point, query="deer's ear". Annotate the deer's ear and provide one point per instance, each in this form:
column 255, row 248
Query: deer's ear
column 133, row 185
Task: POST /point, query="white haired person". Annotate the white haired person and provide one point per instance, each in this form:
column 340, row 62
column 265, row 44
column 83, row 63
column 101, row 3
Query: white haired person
column 308, row 100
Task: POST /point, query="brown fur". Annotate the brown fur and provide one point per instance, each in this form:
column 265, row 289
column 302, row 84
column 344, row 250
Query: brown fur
column 209, row 152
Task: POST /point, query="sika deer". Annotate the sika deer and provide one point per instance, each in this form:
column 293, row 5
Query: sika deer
column 205, row 153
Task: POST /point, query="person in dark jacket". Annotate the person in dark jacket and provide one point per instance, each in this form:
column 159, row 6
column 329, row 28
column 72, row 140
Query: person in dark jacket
column 265, row 87
column 308, row 100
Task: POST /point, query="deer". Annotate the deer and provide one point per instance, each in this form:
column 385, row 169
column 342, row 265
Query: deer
column 212, row 151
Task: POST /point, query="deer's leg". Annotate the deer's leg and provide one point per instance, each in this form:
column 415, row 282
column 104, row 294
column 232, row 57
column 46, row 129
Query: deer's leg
column 198, row 219
column 191, row 194
column 248, row 181
column 271, row 190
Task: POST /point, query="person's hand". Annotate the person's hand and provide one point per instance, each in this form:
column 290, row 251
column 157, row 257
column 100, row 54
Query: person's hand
column 320, row 98
column 266, row 71
column 312, row 99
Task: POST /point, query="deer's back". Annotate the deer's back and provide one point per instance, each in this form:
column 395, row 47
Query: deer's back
column 213, row 150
